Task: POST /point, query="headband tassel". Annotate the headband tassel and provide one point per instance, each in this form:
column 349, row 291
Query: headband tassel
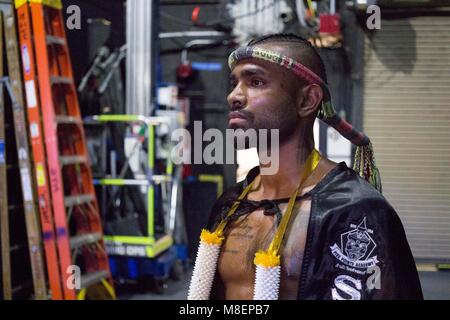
column 364, row 164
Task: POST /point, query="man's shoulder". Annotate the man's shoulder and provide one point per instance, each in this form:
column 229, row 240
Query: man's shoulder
column 344, row 182
column 344, row 191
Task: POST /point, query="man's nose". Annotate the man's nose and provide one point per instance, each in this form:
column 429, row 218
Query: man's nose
column 237, row 99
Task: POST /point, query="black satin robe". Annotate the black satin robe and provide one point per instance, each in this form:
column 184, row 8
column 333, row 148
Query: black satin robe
column 356, row 247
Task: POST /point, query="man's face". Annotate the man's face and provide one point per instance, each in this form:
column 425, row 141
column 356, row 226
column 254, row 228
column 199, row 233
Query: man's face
column 262, row 97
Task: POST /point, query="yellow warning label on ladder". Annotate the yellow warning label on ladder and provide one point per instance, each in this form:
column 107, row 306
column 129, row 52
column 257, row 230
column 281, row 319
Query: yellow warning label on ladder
column 57, row 4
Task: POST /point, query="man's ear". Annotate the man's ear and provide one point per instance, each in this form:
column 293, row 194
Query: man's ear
column 312, row 97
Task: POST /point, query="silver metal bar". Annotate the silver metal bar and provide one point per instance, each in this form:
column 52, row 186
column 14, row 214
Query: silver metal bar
column 193, row 43
column 55, row 40
column 194, row 34
column 71, row 201
column 173, row 205
column 84, row 239
column 70, row 160
column 92, row 278
column 67, row 120
column 139, row 57
column 60, row 80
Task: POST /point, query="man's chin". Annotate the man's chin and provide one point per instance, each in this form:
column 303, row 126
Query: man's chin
column 235, row 126
column 242, row 141
column 240, row 146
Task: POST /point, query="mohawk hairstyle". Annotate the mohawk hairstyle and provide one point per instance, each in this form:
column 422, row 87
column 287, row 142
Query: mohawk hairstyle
column 309, row 54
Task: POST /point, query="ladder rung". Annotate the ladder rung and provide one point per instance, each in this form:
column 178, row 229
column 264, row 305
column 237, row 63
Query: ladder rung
column 12, row 207
column 22, row 286
column 17, row 247
column 84, row 239
column 71, row 201
column 55, row 40
column 70, row 160
column 67, row 120
column 60, row 80
column 92, row 278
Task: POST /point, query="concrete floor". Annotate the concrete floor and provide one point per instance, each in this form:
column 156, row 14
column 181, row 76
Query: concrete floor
column 435, row 286
column 174, row 290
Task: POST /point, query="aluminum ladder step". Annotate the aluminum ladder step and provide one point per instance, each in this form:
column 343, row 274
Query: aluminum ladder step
column 55, row 40
column 92, row 278
column 71, row 201
column 60, row 80
column 84, row 239
column 67, row 120
column 70, row 160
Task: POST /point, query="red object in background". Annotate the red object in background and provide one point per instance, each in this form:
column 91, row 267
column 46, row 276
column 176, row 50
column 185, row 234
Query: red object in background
column 184, row 71
column 187, row 171
column 329, row 23
column 195, row 14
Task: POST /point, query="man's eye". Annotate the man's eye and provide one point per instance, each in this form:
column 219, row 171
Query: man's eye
column 257, row 83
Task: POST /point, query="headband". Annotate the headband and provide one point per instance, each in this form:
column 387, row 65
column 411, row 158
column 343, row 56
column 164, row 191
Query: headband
column 364, row 161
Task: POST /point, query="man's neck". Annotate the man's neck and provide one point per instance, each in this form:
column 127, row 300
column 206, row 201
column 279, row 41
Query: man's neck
column 292, row 157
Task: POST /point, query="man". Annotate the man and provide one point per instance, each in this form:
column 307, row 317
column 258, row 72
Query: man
column 343, row 240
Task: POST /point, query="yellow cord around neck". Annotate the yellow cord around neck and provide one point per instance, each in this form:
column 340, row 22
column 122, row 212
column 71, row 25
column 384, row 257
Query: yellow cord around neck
column 223, row 223
column 310, row 165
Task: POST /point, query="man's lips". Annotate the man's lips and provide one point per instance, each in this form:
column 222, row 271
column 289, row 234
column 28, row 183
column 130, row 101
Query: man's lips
column 236, row 118
column 236, row 115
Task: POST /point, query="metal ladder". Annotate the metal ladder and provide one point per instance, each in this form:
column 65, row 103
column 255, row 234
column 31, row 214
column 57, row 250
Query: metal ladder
column 78, row 226
column 37, row 145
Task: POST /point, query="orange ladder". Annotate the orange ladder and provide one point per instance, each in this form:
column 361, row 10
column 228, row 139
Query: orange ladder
column 76, row 215
column 37, row 146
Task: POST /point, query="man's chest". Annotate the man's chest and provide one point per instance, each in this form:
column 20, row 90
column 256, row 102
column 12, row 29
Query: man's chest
column 247, row 235
column 243, row 238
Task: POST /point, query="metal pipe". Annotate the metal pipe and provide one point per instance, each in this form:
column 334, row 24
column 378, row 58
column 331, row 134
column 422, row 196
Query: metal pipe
column 173, row 205
column 139, row 57
column 181, row 34
column 192, row 43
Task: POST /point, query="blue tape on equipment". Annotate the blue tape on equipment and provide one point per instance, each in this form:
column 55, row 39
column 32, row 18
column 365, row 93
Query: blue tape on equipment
column 207, row 66
column 2, row 151
column 61, row 232
column 48, row 235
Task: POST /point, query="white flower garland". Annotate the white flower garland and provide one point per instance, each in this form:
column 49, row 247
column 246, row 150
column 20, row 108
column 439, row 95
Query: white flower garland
column 268, row 269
